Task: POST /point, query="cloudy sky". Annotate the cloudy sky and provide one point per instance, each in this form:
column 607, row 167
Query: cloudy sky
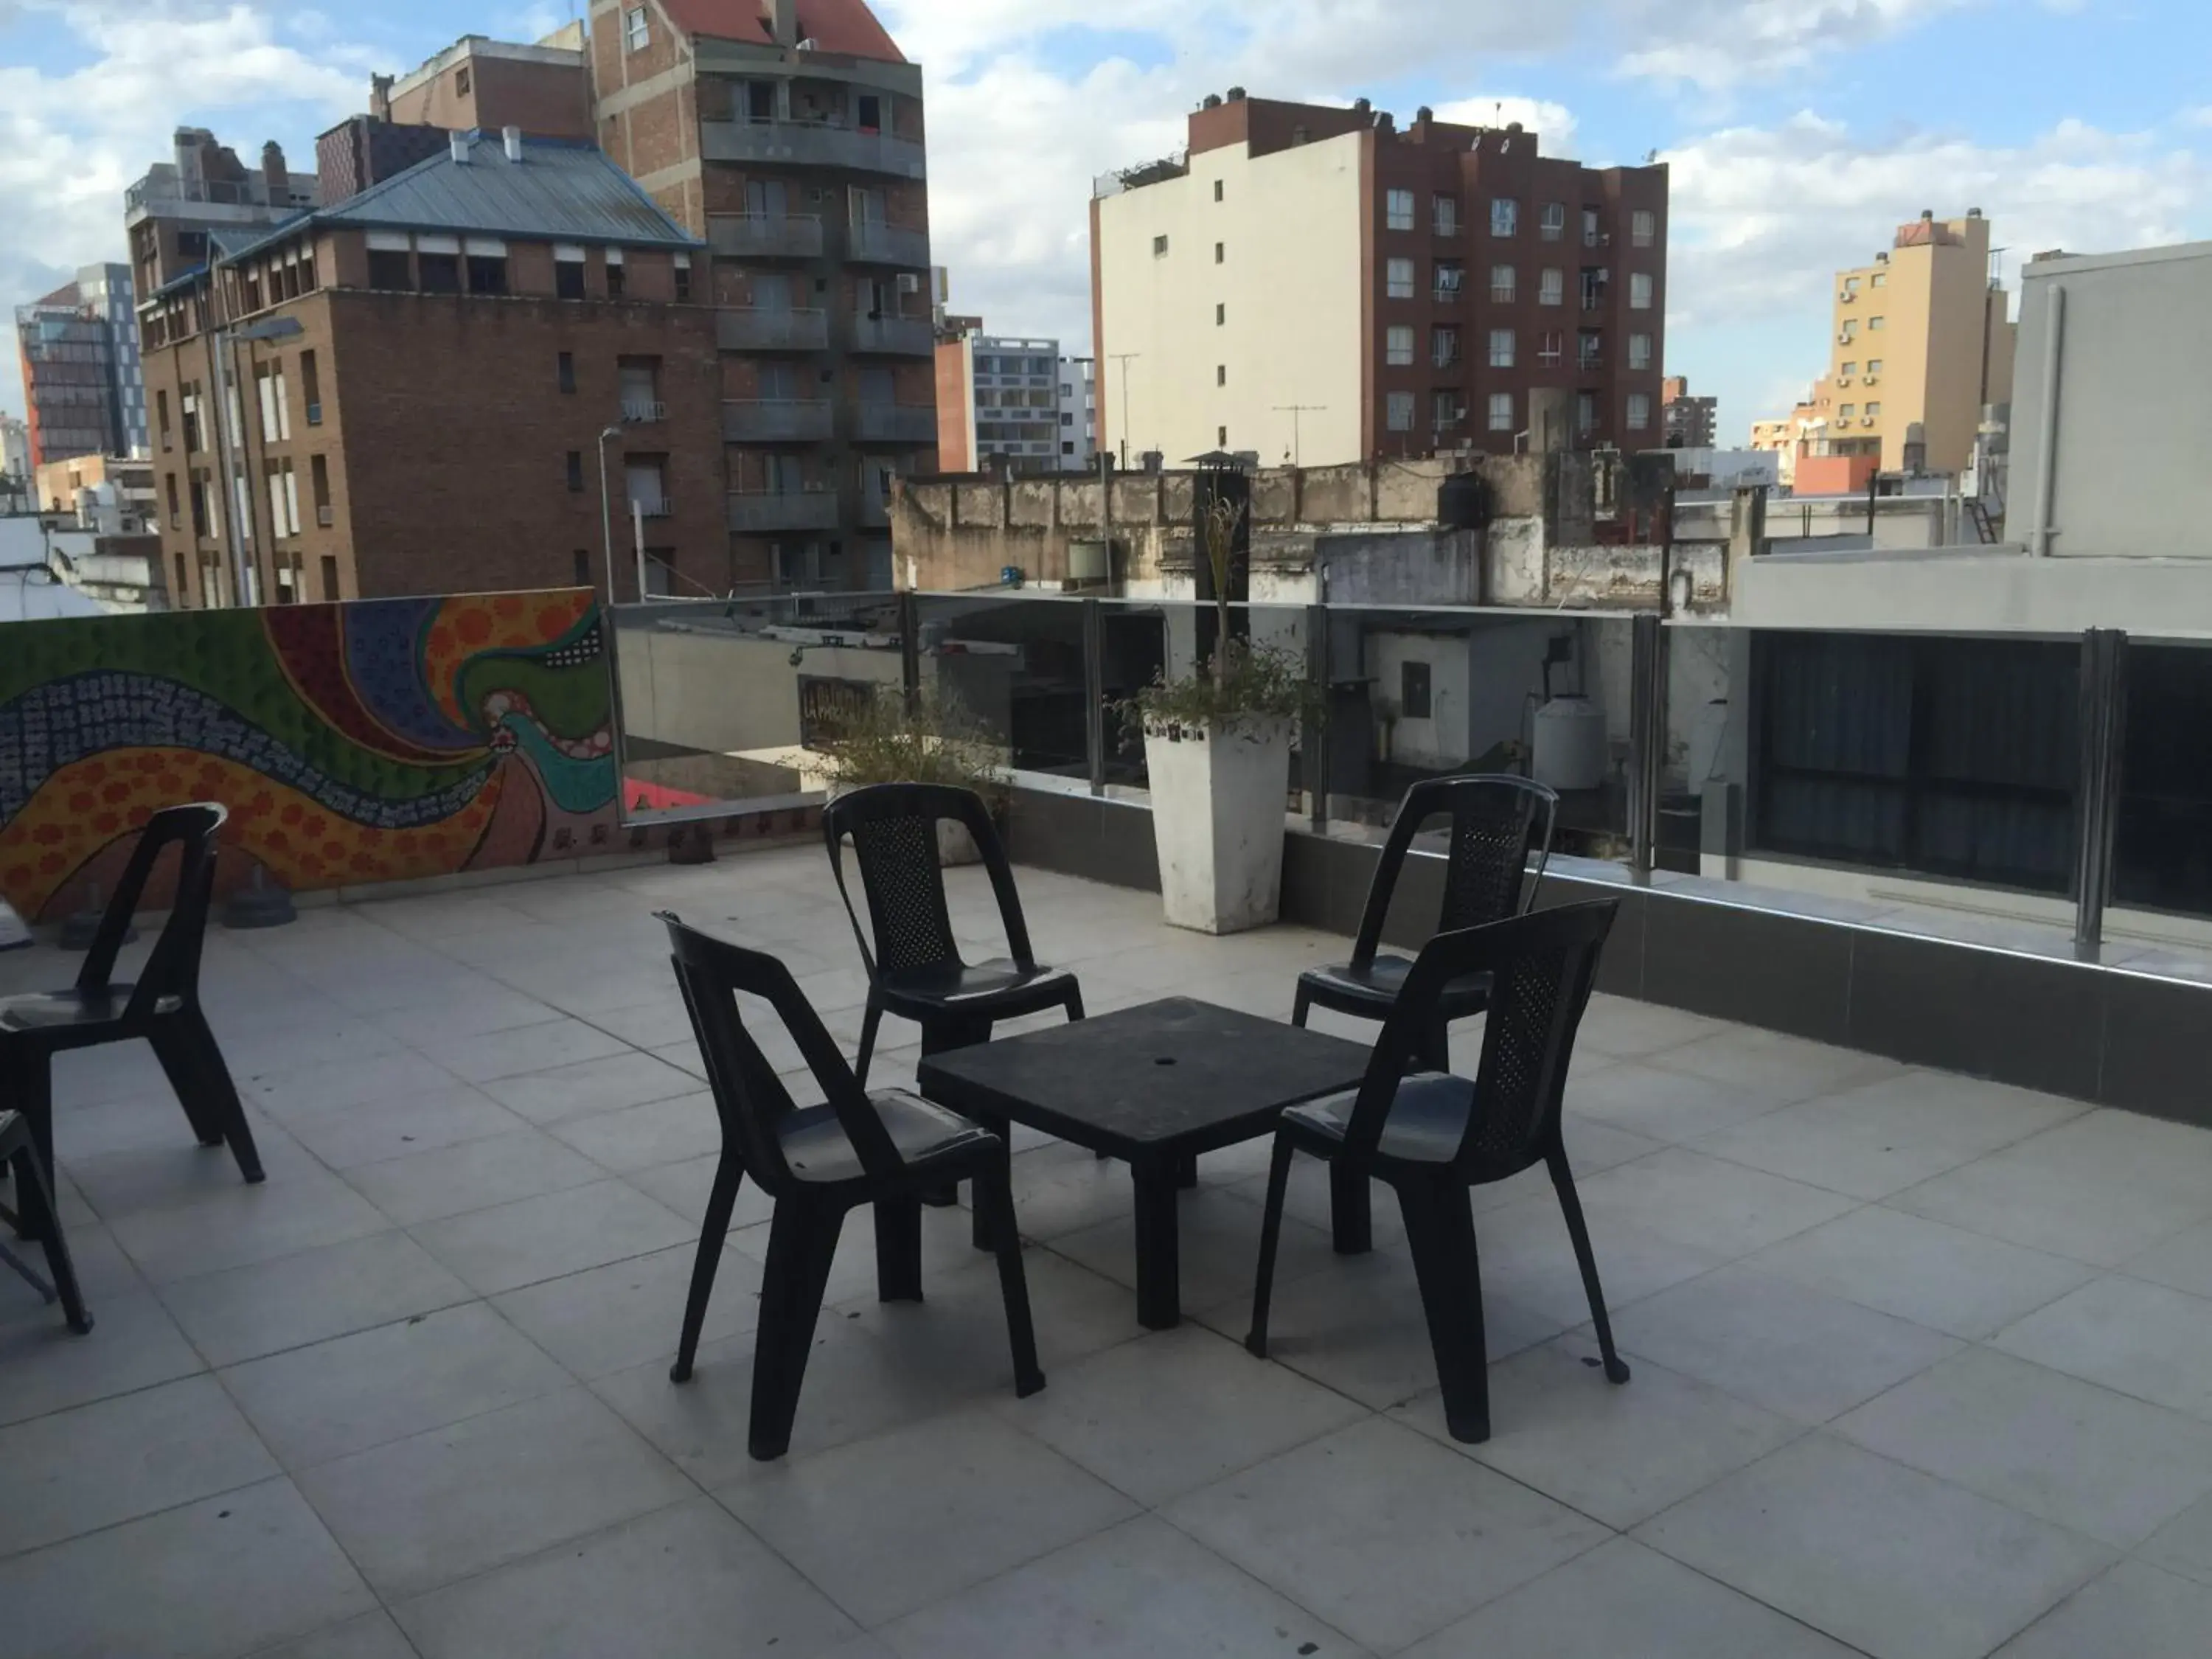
column 1799, row 131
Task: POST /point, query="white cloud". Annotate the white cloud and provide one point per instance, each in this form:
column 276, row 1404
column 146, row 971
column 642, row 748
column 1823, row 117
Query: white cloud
column 72, row 142
column 1715, row 45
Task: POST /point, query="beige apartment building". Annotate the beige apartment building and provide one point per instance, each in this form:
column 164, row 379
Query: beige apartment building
column 1922, row 337
column 1320, row 286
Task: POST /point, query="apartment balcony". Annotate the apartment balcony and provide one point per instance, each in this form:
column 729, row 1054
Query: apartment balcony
column 653, row 507
column 1910, row 1349
column 895, row 423
column 765, row 513
column 875, row 243
column 755, row 328
column 894, row 336
column 764, row 236
column 776, row 421
column 643, row 411
column 802, row 143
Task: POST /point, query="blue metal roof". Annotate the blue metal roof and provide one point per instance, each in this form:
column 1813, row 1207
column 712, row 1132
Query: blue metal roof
column 561, row 191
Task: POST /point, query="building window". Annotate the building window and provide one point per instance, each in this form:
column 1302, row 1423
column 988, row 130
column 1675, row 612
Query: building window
column 1552, row 224
column 564, row 372
column 311, row 388
column 1874, row 324
column 1414, row 703
column 1444, row 410
column 682, row 277
column 1874, row 367
column 1881, row 279
column 161, row 410
column 1221, row 375
column 617, row 280
column 438, row 273
column 569, row 273
column 1639, row 290
column 390, row 268
column 1220, row 319
column 1444, row 215
column 1398, row 411
column 576, row 471
column 583, row 569
column 1505, row 216
column 1643, row 228
column 487, row 273
column 1399, row 210
column 1591, row 349
column 1640, row 411
column 1551, row 289
column 1160, row 248
column 182, row 595
column 1551, row 346
column 1586, row 412
column 1874, row 411
column 1221, row 437
column 1501, row 348
column 1220, row 254
column 1592, row 235
column 1398, row 279
column 331, row 594
column 1398, row 345
column 1503, row 284
column 1640, row 351
column 1847, row 410
column 176, row 513
column 1846, row 370
column 319, row 485
column 1596, row 282
column 1501, row 411
column 1451, row 278
column 1851, row 331
column 635, row 30
column 461, row 81
column 1444, row 348
column 1850, row 286
column 1217, row 190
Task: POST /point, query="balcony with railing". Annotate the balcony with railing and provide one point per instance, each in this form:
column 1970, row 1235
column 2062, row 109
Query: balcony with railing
column 812, row 143
column 873, row 242
column 765, row 236
column 775, row 419
column 895, row 423
column 893, row 337
column 768, row 511
column 643, row 411
column 761, row 328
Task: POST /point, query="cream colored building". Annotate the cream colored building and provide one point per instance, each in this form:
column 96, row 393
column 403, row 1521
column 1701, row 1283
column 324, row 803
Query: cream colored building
column 1921, row 337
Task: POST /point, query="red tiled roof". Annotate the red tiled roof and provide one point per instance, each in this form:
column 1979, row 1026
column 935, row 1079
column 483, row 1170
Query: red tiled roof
column 841, row 25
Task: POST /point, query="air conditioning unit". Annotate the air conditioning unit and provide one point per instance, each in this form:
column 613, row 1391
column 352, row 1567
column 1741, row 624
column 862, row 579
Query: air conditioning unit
column 1847, row 296
column 910, row 282
column 1873, row 379
column 1844, row 338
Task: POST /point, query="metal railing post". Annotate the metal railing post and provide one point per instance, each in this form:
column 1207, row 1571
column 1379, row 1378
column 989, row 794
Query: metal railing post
column 1313, row 740
column 2103, row 714
column 909, row 621
column 1094, row 693
column 1647, row 744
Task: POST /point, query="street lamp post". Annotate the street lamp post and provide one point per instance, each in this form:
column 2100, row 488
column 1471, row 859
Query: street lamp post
column 607, row 517
column 1125, row 358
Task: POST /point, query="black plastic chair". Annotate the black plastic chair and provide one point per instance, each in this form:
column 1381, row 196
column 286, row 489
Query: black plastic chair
column 163, row 1006
column 816, row 1163
column 1431, row 1137
column 17, row 1154
column 1496, row 820
column 915, row 969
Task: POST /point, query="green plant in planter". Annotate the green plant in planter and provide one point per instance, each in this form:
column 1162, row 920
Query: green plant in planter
column 937, row 740
column 1241, row 681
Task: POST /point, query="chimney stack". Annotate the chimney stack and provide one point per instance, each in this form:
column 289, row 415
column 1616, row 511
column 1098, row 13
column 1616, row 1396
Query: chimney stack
column 512, row 136
column 379, row 96
column 272, row 171
column 460, row 143
column 784, row 22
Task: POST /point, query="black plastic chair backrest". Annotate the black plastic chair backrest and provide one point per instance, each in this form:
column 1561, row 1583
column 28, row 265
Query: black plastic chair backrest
column 1497, row 819
column 749, row 1097
column 1541, row 968
column 172, row 967
column 893, row 828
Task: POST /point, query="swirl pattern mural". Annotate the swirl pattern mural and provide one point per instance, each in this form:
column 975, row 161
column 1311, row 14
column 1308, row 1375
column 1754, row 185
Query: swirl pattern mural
column 372, row 741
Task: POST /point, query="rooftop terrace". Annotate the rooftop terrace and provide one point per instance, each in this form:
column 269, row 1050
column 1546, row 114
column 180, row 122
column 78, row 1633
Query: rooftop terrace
column 1920, row 1362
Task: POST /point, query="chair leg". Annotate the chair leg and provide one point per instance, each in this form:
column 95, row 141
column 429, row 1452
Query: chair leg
column 801, row 1241
column 1075, row 1004
column 713, row 1230
column 1350, row 1208
column 28, row 1081
column 173, row 1045
column 30, row 1180
column 1570, row 1205
column 215, row 1096
column 995, row 1193
column 942, row 1035
column 898, row 1249
column 981, row 1222
column 869, row 1022
column 1271, row 1233
column 1301, row 1006
column 1440, row 1228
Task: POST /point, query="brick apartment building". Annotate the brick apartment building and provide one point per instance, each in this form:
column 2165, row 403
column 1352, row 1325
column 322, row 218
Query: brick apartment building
column 788, row 133
column 204, row 191
column 406, row 393
column 1316, row 284
column 1686, row 422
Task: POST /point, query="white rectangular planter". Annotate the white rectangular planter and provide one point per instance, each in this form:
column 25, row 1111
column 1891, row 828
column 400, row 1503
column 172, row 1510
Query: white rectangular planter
column 1218, row 803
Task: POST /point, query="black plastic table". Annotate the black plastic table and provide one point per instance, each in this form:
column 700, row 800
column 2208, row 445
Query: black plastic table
column 1155, row 1085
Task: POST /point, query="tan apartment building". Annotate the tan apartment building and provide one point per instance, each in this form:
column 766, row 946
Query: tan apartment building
column 415, row 391
column 1921, row 337
column 1318, row 286
column 789, row 135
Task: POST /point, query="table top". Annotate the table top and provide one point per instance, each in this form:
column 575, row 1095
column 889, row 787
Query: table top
column 1177, row 1075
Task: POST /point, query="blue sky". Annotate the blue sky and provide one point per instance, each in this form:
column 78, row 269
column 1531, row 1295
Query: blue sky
column 1800, row 132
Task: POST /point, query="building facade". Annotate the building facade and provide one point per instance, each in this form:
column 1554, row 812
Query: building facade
column 203, row 194
column 421, row 390
column 1001, row 402
column 1686, row 423
column 1317, row 286
column 84, row 390
column 1079, row 414
column 790, row 136
column 15, row 449
column 1922, row 342
column 544, row 89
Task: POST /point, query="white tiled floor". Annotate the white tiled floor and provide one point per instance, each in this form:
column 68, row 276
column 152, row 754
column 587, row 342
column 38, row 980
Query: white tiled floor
column 1920, row 1363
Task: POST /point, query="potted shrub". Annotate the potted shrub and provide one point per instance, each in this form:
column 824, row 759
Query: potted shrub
column 1218, row 749
column 937, row 740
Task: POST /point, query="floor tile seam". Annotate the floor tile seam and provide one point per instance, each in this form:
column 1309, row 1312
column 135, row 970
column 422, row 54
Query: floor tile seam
column 276, row 1472
column 216, row 1367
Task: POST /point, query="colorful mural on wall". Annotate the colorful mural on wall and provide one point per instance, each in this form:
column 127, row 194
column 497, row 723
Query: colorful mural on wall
column 371, row 741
